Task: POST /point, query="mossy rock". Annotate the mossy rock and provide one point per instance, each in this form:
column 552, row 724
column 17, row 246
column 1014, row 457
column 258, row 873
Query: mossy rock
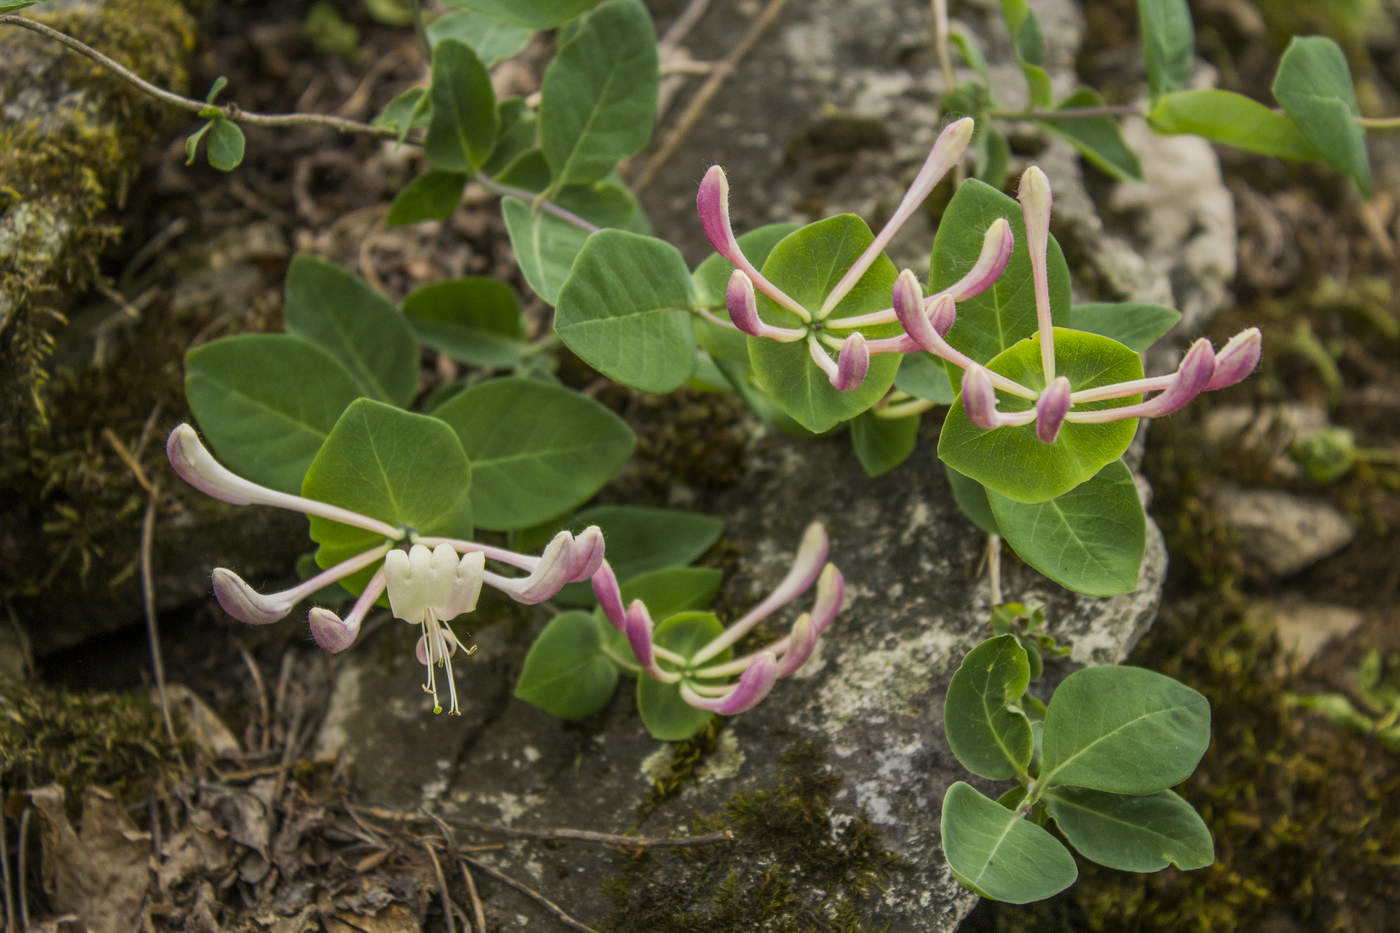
column 71, row 142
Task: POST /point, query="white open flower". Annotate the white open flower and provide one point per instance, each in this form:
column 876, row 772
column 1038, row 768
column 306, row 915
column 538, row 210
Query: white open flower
column 430, row 588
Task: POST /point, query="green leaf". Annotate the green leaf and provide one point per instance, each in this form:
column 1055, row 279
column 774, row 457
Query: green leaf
column 491, row 39
column 923, row 375
column 1124, row 730
column 640, row 540
column 626, row 311
column 407, row 111
column 431, row 196
column 1012, row 460
column 1005, row 313
column 537, row 450
column 462, row 131
column 1129, row 833
column 996, row 853
column 405, row 469
column 340, row 312
column 1029, row 44
column 882, row 444
column 474, row 319
column 565, row 672
column 807, row 265
column 987, row 730
column 1134, row 324
column 11, row 7
column 545, row 246
column 516, row 136
column 1232, row 119
column 225, row 144
column 1314, row 86
column 666, row 716
column 971, row 497
column 598, row 98
column 606, row 203
column 266, row 403
column 535, row 14
column 1090, row 539
column 673, row 590
column 192, row 141
column 712, row 275
column 1098, row 139
column 1168, row 44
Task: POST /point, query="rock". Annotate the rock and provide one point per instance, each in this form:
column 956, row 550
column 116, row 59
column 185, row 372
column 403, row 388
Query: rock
column 1303, row 627
column 1280, row 533
column 868, row 706
column 1263, row 435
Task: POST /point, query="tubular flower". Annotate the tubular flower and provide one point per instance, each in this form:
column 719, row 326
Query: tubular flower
column 823, row 333
column 700, row 677
column 1201, row 370
column 429, row 584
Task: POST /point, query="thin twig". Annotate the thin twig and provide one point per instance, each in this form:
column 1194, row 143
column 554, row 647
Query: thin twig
column 230, row 111
column 447, row 904
column 939, row 9
column 478, row 912
column 554, row 835
column 5, row 875
column 21, row 868
column 265, row 712
column 691, row 115
column 538, row 898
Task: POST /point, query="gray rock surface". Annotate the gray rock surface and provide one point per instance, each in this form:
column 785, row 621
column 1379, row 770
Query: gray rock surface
column 870, row 700
column 1280, row 533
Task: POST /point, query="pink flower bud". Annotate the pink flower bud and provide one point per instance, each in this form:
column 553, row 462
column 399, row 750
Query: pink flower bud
column 1050, row 410
column 998, row 244
column 246, row 604
column 853, row 363
column 1191, row 379
column 587, row 553
column 979, row 398
column 753, row 686
column 1237, row 360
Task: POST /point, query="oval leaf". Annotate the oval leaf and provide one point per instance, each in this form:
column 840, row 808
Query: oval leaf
column 565, row 672
column 987, row 731
column 1168, row 44
column 1132, row 833
column 339, row 311
column 807, row 265
column 462, row 131
column 997, row 853
column 1124, row 730
column 1012, row 460
column 1135, row 325
column 535, row 14
column 405, row 469
column 663, row 712
column 537, row 450
column 1232, row 119
column 430, row 196
column 1005, row 313
column 626, row 311
column 1090, row 539
column 1314, row 86
column 882, row 444
column 545, row 246
column 1098, row 139
column 598, row 98
column 475, row 320
column 266, row 403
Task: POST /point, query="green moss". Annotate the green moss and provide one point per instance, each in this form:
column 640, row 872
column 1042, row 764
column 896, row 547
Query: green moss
column 116, row 741
column 65, row 163
column 788, row 845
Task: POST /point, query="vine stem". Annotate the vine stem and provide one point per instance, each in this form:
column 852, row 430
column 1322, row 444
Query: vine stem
column 230, row 111
column 1068, row 113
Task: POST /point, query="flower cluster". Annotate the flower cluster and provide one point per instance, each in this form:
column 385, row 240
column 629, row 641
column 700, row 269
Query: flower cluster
column 703, row 682
column 428, row 585
column 429, row 581
column 926, row 319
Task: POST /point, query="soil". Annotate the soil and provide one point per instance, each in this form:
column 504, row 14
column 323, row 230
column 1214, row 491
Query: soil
column 1299, row 805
